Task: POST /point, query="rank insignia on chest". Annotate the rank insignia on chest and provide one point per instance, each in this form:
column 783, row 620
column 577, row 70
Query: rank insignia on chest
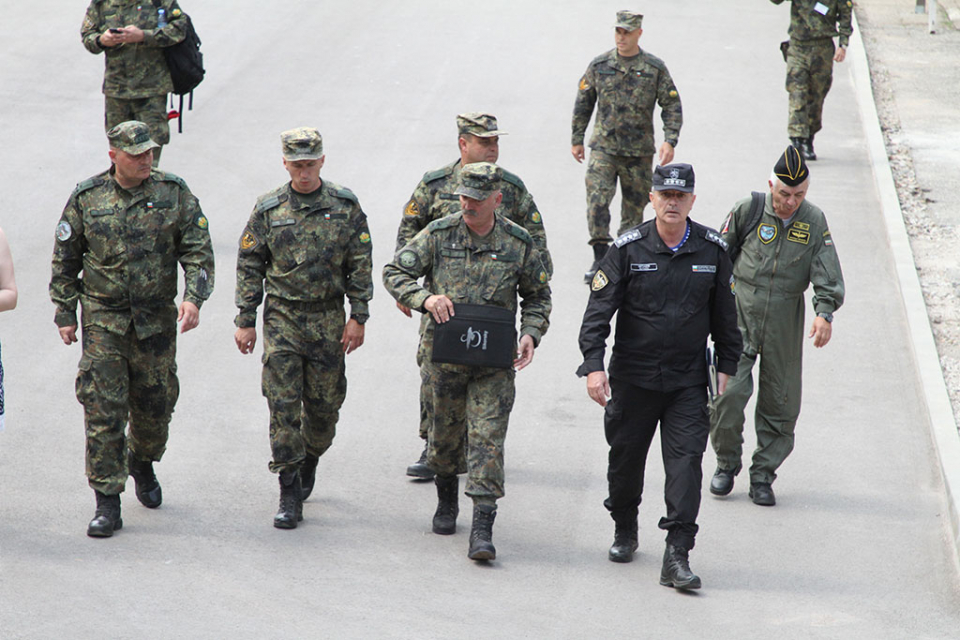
column 600, row 280
column 411, row 209
column 803, row 226
column 364, row 237
column 248, row 241
column 801, row 237
column 767, row 233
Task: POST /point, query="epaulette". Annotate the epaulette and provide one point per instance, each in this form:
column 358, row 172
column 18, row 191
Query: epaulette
column 443, row 172
column 87, row 184
column 655, row 61
column 519, row 232
column 166, row 176
column 269, row 203
column 445, row 222
column 716, row 238
column 513, row 179
column 346, row 194
column 603, row 57
column 628, row 237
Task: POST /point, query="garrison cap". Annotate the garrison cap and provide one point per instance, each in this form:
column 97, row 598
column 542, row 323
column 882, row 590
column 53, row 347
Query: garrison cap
column 482, row 125
column 791, row 168
column 629, row 20
column 479, row 180
column 302, row 143
column 132, row 137
column 674, row 177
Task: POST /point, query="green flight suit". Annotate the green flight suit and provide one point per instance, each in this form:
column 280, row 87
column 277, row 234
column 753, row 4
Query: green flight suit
column 775, row 266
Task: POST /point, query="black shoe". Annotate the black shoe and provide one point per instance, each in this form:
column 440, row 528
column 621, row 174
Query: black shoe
column 797, row 143
column 445, row 518
column 762, row 494
column 481, row 535
column 722, row 482
column 420, row 468
column 147, row 488
column 676, row 569
column 308, row 476
column 291, row 501
column 107, row 518
column 806, row 148
column 624, row 542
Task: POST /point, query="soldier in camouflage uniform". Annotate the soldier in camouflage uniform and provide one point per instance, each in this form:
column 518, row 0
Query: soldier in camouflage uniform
column 625, row 84
column 478, row 257
column 126, row 229
column 790, row 248
column 810, row 57
column 307, row 246
column 434, row 198
column 136, row 79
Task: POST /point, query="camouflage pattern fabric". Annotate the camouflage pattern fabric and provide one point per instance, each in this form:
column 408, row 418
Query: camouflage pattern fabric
column 434, row 198
column 134, row 70
column 492, row 270
column 128, row 244
column 121, row 376
column 151, row 111
column 304, row 379
column 809, row 76
column 625, row 92
column 772, row 271
column 806, row 23
column 305, row 250
column 603, row 171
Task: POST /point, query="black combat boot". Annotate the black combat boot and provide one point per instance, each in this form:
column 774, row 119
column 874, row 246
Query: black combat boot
column 599, row 250
column 445, row 519
column 676, row 569
column 147, row 488
column 107, row 518
column 806, row 148
column 420, row 468
column 481, row 535
column 624, row 540
column 291, row 501
column 308, row 476
column 762, row 494
column 722, row 482
column 797, row 143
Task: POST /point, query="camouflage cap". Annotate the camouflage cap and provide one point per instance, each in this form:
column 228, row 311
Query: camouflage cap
column 674, row 177
column 482, row 125
column 479, row 180
column 302, row 143
column 132, row 137
column 629, row 20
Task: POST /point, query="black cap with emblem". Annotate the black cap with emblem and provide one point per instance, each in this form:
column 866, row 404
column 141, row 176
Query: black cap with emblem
column 791, row 168
column 673, row 177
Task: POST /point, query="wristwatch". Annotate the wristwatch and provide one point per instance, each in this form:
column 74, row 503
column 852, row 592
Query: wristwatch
column 826, row 316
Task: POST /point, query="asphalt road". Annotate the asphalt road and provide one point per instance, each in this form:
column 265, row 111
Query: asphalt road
column 855, row 548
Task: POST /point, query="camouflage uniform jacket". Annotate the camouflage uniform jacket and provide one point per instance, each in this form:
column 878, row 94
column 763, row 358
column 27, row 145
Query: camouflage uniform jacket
column 305, row 252
column 493, row 272
column 625, row 94
column 808, row 24
column 127, row 243
column 134, row 70
column 434, row 198
column 776, row 265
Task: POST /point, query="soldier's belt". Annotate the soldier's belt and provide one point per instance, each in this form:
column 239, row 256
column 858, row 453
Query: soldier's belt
column 477, row 336
column 309, row 305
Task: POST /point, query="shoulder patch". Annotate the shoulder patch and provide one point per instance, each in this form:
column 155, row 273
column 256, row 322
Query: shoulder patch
column 411, row 209
column 248, row 241
column 346, row 194
column 408, row 259
column 715, row 238
column 270, row 203
column 201, row 221
column 513, row 179
column 430, row 176
column 628, row 237
column 600, row 280
column 88, row 184
column 445, row 222
column 172, row 177
column 520, row 232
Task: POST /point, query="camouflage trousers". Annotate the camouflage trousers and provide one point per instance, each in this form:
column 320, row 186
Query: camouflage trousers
column 809, row 76
column 636, row 177
column 470, row 411
column 122, row 378
column 304, row 378
column 151, row 111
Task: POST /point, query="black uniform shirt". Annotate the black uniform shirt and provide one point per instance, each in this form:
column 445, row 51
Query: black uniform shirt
column 668, row 304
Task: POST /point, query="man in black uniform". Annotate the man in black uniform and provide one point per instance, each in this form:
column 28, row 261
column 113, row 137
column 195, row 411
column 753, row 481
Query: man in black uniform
column 671, row 281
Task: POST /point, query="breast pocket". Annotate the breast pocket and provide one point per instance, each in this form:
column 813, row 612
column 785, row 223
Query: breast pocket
column 501, row 274
column 647, row 287
column 697, row 293
column 104, row 235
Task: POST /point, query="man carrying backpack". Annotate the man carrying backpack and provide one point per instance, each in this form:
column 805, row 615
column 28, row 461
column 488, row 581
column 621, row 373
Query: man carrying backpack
column 136, row 80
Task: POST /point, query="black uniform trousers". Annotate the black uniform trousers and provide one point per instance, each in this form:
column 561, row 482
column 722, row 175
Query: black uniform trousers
column 630, row 420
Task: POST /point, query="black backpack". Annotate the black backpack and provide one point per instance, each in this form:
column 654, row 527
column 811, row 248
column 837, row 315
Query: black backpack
column 756, row 212
column 185, row 62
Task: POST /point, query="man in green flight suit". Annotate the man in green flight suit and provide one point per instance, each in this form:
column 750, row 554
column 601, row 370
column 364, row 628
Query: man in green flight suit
column 473, row 257
column 136, row 79
column 127, row 229
column 307, row 246
column 435, row 197
column 786, row 250
column 625, row 84
column 810, row 57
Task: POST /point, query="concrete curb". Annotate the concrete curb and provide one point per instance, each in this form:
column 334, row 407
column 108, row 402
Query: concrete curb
column 943, row 425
